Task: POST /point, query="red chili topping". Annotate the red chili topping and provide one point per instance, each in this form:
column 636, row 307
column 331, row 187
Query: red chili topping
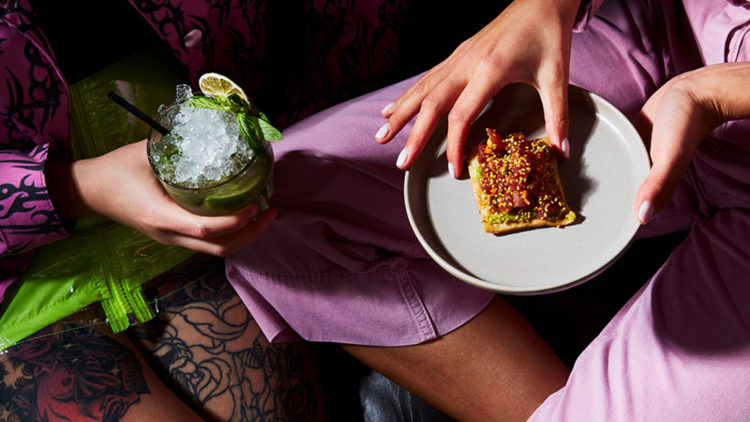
column 518, row 178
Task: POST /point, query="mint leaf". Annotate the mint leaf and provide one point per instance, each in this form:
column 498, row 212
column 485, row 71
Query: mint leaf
column 263, row 117
column 250, row 133
column 199, row 101
column 238, row 101
column 268, row 132
column 216, row 103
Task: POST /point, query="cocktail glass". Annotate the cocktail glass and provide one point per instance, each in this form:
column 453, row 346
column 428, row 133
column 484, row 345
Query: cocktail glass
column 252, row 184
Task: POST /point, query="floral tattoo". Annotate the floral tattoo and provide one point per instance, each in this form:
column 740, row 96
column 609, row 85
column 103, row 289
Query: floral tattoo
column 217, row 359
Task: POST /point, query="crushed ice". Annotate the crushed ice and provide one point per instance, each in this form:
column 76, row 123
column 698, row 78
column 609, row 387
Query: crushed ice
column 203, row 148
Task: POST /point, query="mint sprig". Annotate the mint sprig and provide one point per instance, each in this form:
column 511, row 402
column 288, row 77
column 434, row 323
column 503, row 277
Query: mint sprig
column 253, row 125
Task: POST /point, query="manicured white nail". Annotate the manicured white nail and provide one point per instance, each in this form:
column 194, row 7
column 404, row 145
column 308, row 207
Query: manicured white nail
column 382, row 132
column 565, row 148
column 451, row 171
column 402, row 157
column 645, row 212
column 388, row 107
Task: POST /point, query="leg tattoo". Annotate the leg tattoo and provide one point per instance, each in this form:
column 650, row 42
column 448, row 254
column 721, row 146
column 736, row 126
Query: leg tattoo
column 219, row 361
column 73, row 375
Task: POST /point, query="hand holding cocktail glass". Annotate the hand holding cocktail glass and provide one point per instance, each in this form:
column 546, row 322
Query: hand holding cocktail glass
column 122, row 186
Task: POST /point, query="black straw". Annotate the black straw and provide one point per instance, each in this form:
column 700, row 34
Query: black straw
column 137, row 113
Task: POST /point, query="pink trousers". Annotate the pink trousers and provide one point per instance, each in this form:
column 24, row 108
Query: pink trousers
column 680, row 349
column 341, row 263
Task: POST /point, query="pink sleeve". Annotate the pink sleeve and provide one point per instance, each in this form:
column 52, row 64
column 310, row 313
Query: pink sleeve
column 27, row 217
column 585, row 13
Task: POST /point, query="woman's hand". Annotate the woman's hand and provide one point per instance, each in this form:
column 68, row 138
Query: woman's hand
column 678, row 116
column 529, row 42
column 122, row 186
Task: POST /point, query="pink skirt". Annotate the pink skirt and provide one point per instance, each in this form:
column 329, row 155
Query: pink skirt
column 340, row 262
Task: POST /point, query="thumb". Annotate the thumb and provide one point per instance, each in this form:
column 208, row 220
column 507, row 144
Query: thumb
column 556, row 117
column 656, row 190
column 675, row 138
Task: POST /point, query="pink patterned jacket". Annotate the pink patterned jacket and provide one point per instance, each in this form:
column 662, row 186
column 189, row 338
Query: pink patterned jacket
column 347, row 48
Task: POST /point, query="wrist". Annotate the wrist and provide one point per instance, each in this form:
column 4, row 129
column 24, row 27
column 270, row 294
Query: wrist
column 66, row 185
column 722, row 92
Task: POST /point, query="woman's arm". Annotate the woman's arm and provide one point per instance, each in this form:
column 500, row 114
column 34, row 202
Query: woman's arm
column 675, row 120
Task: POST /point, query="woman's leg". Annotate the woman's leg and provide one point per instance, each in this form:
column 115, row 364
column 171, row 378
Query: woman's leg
column 210, row 352
column 83, row 375
column 493, row 368
column 211, row 361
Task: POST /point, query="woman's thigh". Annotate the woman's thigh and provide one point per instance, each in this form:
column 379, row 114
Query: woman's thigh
column 204, row 358
column 209, row 351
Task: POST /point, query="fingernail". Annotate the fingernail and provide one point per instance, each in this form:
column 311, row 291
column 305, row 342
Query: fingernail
column 382, row 132
column 451, row 171
column 565, row 148
column 402, row 157
column 645, row 212
column 388, row 107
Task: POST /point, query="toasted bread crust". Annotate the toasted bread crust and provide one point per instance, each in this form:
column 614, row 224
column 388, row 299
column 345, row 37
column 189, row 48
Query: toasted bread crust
column 472, row 156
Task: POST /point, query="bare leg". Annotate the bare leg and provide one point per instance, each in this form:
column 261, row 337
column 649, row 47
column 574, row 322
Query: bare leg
column 212, row 353
column 493, row 368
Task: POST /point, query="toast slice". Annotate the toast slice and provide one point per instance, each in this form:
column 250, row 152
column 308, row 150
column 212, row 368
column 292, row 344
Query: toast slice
column 516, row 184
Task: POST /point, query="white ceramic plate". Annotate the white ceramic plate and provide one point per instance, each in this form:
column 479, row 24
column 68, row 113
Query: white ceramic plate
column 607, row 164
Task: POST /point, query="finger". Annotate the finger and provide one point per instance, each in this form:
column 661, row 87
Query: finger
column 675, row 137
column 434, row 72
column 177, row 220
column 226, row 244
column 409, row 105
column 556, row 116
column 657, row 189
column 644, row 121
column 467, row 108
column 643, row 125
column 435, row 105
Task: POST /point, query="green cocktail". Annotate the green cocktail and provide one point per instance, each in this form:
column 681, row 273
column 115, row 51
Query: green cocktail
column 216, row 158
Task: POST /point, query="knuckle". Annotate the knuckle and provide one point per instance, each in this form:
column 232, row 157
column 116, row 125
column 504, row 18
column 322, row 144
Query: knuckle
column 200, row 230
column 420, row 87
column 457, row 115
column 431, row 102
column 490, row 63
column 661, row 188
column 221, row 251
column 466, row 58
column 416, row 140
column 562, row 119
